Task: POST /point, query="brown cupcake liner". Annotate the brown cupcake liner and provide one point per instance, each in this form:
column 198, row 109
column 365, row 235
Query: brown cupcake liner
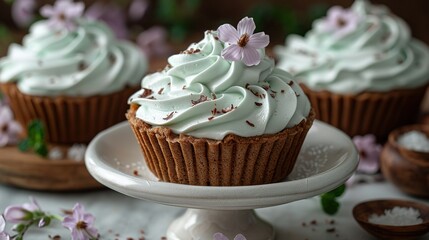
column 375, row 113
column 69, row 120
column 233, row 161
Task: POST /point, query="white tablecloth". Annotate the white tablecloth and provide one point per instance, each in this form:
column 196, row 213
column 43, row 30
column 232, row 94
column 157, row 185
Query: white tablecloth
column 122, row 217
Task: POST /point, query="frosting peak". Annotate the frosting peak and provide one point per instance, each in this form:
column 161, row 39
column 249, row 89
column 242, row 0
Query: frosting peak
column 83, row 62
column 202, row 94
column 376, row 53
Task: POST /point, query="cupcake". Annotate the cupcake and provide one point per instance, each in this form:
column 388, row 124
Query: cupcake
column 72, row 74
column 220, row 113
column 360, row 68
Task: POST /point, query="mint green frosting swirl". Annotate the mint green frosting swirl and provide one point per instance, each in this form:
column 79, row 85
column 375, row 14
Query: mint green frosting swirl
column 379, row 55
column 85, row 62
column 203, row 95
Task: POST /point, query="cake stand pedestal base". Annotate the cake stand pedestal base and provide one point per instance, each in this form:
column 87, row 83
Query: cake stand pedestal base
column 203, row 224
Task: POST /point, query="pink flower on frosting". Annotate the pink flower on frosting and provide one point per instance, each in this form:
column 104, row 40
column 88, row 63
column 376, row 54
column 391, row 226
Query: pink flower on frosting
column 220, row 236
column 340, row 21
column 369, row 152
column 243, row 44
column 63, row 14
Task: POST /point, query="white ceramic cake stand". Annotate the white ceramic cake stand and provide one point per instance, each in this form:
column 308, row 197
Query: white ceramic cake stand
column 327, row 159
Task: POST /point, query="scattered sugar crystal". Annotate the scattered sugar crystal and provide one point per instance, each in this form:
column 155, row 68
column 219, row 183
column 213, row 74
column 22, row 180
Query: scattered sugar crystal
column 397, row 216
column 414, row 140
column 76, row 152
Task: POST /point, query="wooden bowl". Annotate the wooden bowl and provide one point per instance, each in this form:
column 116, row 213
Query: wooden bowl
column 364, row 210
column 417, row 157
column 27, row 170
column 406, row 169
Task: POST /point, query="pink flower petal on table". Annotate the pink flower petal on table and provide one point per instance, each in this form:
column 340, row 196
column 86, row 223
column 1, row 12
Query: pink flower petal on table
column 219, row 236
column 14, row 214
column 239, row 237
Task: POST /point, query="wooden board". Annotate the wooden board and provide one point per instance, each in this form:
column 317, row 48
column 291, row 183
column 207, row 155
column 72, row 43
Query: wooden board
column 27, row 170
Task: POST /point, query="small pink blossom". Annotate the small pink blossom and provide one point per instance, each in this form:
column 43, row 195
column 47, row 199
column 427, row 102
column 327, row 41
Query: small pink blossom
column 63, row 14
column 20, row 213
column 81, row 224
column 369, row 152
column 243, row 44
column 220, row 236
column 340, row 21
column 137, row 9
column 111, row 14
column 9, row 128
column 153, row 42
column 3, row 234
column 23, row 12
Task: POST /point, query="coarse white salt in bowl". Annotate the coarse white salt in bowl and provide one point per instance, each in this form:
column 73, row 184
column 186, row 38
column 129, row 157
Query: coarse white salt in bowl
column 414, row 140
column 393, row 218
column 397, row 216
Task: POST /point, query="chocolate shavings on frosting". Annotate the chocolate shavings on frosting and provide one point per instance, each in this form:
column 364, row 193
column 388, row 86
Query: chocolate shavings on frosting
column 160, row 91
column 200, row 100
column 146, row 93
column 258, row 104
column 169, row 116
column 250, row 123
column 191, row 51
column 228, row 109
column 82, row 66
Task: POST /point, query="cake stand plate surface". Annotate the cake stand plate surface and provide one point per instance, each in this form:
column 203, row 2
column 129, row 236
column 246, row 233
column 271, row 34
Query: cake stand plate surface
column 327, row 159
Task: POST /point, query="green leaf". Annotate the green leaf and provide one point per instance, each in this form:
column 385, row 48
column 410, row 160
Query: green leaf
column 41, row 149
column 9, row 1
column 329, row 202
column 4, row 31
column 24, row 145
column 192, row 5
column 36, row 131
column 317, row 11
column 19, row 228
column 166, row 10
column 339, row 191
column 330, row 205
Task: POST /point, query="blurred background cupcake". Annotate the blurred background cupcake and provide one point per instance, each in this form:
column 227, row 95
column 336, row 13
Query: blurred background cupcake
column 361, row 69
column 71, row 73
